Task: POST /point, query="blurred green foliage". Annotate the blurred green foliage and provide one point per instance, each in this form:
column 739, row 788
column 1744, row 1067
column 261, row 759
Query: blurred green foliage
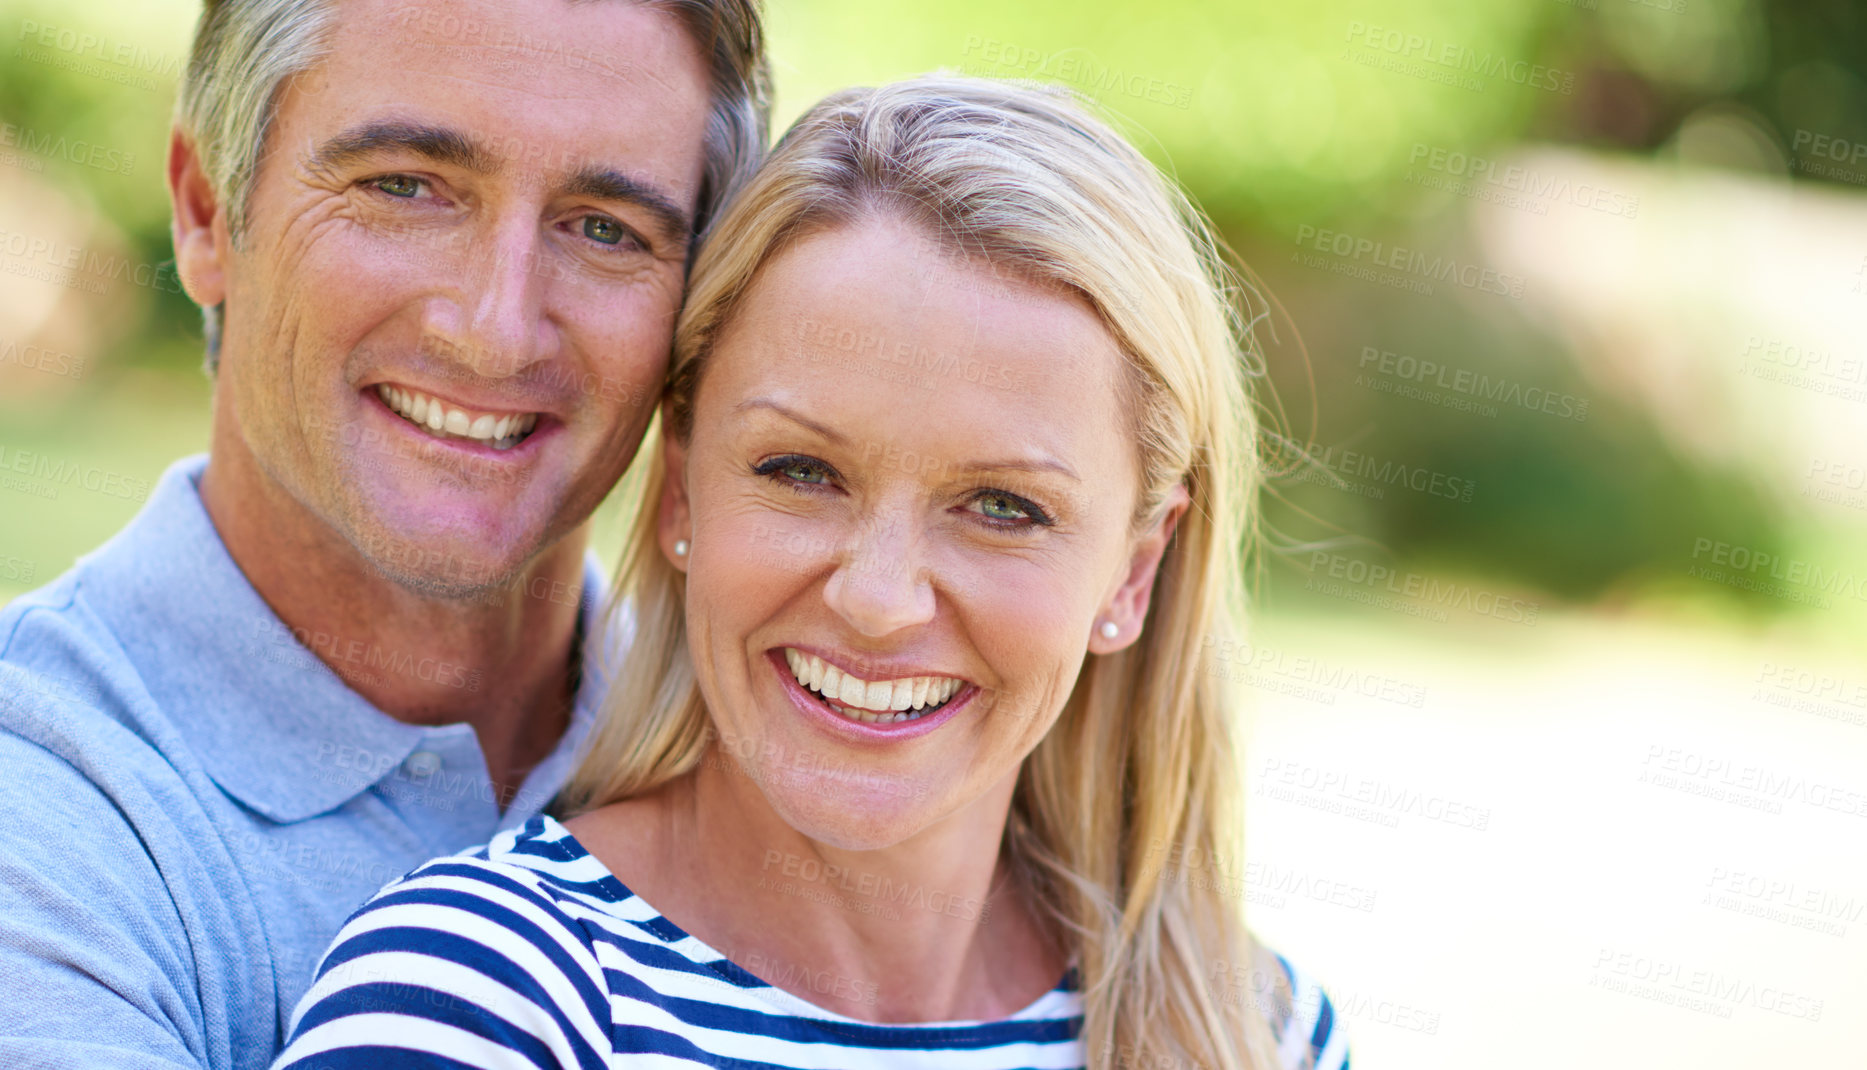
column 117, row 96
column 1273, row 116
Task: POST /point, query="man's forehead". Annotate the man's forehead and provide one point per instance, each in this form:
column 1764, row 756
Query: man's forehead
column 578, row 49
column 599, row 98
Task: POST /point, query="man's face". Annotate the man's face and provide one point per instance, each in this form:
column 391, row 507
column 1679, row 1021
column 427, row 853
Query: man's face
column 449, row 317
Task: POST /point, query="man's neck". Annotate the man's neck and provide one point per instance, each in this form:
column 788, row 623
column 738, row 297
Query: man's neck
column 505, row 662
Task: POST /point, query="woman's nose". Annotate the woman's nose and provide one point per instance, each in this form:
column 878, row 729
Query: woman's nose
column 878, row 586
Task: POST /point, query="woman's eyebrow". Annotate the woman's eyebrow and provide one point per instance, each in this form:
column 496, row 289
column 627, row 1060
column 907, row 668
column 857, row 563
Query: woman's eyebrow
column 1040, row 464
column 1043, row 463
column 791, row 414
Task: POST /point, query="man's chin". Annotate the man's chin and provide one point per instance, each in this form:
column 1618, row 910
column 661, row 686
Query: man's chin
column 451, row 573
column 478, row 553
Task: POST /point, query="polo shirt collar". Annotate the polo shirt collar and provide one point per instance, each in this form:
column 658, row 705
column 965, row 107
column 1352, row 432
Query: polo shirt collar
column 267, row 719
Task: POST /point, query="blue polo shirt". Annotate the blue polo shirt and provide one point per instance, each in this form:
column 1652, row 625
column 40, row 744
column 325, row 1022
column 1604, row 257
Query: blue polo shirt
column 192, row 802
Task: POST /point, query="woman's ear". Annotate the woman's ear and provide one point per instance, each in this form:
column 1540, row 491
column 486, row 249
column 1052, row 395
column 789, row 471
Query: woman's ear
column 674, row 524
column 1127, row 608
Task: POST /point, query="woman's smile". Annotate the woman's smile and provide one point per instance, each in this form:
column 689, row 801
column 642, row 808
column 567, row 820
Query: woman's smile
column 882, row 705
column 872, row 701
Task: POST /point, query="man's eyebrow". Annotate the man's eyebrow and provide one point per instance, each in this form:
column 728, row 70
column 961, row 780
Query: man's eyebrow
column 442, row 145
column 607, row 184
column 437, row 143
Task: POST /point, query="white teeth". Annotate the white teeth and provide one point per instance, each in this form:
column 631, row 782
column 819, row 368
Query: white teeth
column 880, row 702
column 500, row 432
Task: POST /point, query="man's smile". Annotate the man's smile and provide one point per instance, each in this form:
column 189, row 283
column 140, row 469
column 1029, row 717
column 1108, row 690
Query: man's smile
column 445, row 420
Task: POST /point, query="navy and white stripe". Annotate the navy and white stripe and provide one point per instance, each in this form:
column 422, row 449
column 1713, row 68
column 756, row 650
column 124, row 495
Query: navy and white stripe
column 527, row 953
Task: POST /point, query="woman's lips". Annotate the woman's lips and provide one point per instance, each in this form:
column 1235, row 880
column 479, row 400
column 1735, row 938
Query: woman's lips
column 817, row 709
column 893, row 699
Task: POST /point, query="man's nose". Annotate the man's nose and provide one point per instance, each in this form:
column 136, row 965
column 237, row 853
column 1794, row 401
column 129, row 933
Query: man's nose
column 878, row 587
column 495, row 322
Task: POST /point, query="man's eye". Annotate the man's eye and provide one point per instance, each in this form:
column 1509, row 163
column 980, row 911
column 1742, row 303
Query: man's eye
column 399, row 185
column 607, row 231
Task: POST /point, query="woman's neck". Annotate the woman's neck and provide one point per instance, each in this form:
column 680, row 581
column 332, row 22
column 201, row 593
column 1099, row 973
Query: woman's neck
column 929, row 929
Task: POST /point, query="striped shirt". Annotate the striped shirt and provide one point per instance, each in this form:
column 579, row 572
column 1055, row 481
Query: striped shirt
column 527, row 953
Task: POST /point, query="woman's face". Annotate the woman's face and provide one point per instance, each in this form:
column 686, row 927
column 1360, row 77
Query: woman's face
column 907, row 494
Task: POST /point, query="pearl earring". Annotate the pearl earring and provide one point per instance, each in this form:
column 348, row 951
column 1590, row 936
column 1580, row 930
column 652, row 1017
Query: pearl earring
column 1110, row 629
column 680, row 548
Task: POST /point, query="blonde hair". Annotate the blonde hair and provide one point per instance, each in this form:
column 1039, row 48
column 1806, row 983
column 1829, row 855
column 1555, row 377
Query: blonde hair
column 1141, row 767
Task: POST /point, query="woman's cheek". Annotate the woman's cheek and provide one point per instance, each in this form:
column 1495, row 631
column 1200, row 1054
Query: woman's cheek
column 1023, row 622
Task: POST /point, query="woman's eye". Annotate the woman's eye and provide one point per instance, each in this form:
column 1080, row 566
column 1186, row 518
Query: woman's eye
column 803, row 472
column 1004, row 507
column 791, row 470
column 399, row 185
column 600, row 229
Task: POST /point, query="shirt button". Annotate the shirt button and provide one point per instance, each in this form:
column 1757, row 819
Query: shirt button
column 422, row 764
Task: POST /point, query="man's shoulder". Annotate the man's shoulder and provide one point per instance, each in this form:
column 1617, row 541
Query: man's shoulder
column 61, row 816
column 81, row 738
column 66, row 683
column 45, row 619
column 118, row 902
column 72, row 637
column 81, row 754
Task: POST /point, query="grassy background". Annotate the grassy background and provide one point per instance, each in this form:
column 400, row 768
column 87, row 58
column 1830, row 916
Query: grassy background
column 1679, row 323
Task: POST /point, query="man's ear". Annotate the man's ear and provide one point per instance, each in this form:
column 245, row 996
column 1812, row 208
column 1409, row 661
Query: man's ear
column 1127, row 608
column 198, row 224
column 674, row 522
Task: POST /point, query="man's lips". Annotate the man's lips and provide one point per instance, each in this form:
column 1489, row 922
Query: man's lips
column 444, row 419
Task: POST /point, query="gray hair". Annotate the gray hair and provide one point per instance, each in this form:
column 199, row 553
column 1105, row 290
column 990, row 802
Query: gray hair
column 245, row 49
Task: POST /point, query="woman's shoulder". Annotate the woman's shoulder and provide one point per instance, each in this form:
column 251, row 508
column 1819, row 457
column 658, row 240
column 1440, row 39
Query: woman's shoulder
column 528, row 885
column 467, row 950
column 1309, row 1025
column 535, row 863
